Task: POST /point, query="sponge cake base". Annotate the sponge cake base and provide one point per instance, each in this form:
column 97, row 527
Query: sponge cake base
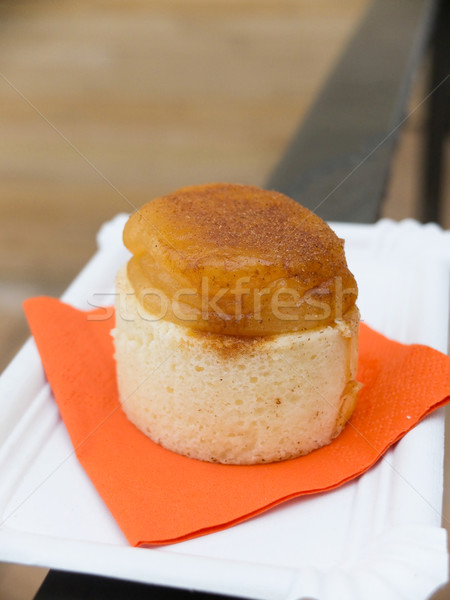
column 232, row 399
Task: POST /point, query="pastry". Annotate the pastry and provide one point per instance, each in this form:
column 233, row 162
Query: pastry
column 236, row 326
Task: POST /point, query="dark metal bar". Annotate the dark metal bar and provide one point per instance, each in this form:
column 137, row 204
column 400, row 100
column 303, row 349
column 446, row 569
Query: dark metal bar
column 338, row 162
column 62, row 585
column 438, row 125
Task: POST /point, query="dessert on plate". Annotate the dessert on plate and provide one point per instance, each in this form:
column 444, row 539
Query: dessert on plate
column 236, row 332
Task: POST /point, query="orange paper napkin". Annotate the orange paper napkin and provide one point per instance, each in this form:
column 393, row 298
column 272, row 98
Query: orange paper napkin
column 158, row 497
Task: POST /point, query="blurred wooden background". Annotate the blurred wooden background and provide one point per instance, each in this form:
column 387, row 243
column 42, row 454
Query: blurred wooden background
column 104, row 105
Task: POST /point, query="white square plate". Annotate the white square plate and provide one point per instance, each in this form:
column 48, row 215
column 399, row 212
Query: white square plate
column 379, row 536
